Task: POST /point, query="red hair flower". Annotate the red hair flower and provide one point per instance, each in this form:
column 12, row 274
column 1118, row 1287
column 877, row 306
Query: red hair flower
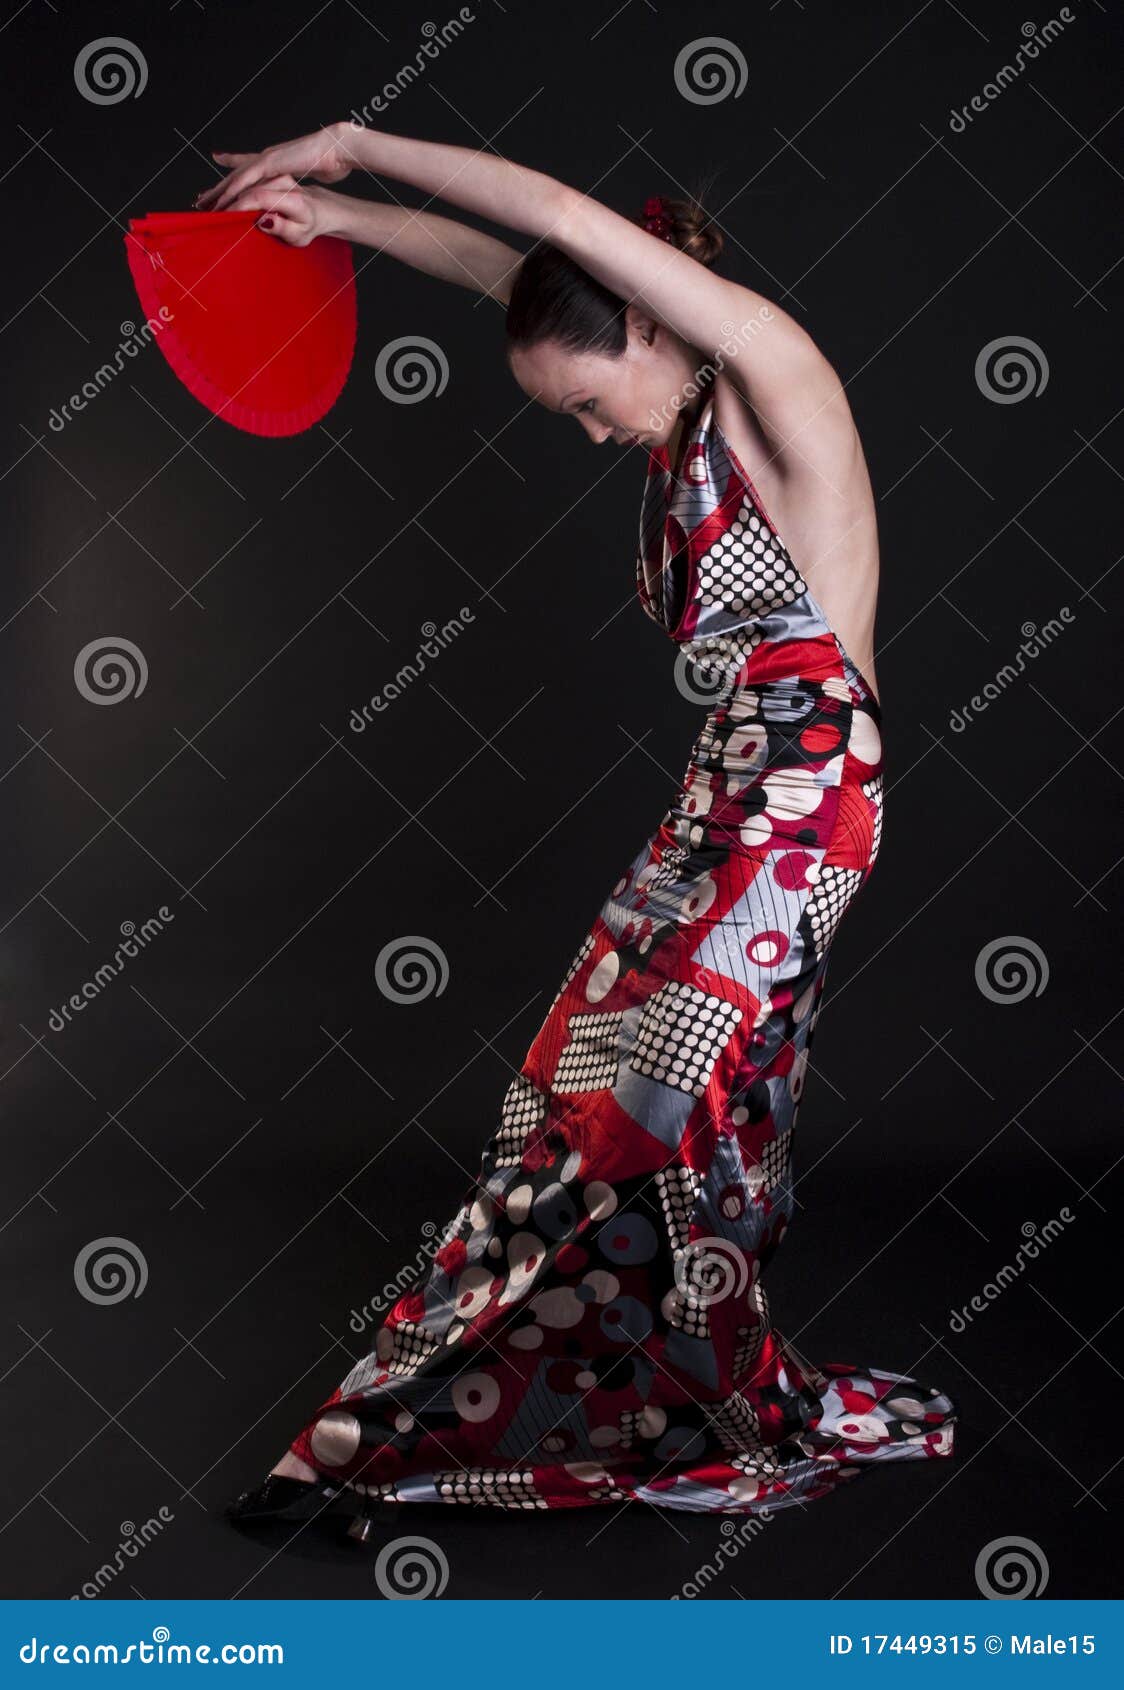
column 657, row 220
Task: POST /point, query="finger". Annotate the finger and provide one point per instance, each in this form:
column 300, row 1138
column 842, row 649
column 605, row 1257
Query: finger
column 236, row 182
column 289, row 230
column 209, row 195
column 233, row 161
column 282, row 179
column 266, row 197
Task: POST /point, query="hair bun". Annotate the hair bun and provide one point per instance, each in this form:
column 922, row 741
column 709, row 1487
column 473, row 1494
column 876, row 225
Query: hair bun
column 685, row 224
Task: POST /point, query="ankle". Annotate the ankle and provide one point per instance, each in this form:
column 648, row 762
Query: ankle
column 291, row 1466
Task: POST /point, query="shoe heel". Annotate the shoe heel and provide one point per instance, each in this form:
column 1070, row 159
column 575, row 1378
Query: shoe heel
column 276, row 1498
column 376, row 1511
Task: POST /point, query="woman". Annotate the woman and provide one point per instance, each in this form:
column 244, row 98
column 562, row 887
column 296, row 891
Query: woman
column 593, row 1327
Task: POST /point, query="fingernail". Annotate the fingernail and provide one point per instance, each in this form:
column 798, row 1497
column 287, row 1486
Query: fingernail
column 267, row 223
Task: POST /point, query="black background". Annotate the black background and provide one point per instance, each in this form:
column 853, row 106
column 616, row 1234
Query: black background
column 244, row 1105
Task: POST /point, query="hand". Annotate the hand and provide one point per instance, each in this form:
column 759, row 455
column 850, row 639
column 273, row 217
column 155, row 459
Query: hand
column 292, row 214
column 323, row 156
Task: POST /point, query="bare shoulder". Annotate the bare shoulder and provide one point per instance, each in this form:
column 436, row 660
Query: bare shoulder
column 814, row 458
column 796, row 396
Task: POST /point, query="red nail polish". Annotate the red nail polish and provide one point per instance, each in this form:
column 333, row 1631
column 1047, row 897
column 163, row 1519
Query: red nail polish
column 267, row 222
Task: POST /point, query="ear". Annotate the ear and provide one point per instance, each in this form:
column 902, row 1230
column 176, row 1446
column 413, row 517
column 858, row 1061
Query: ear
column 639, row 325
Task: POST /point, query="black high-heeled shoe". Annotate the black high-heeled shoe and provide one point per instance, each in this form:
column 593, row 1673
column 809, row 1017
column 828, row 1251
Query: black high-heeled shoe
column 372, row 1511
column 297, row 1501
column 279, row 1497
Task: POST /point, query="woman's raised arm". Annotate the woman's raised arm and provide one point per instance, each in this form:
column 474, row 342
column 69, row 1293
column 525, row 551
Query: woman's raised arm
column 439, row 246
column 766, row 353
column 297, row 213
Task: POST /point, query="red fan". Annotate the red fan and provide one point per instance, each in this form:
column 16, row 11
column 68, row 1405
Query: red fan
column 262, row 333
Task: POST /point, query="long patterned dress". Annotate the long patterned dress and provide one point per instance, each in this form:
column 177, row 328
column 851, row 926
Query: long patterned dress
column 594, row 1327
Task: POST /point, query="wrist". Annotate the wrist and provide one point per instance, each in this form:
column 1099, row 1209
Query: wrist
column 331, row 210
column 353, row 143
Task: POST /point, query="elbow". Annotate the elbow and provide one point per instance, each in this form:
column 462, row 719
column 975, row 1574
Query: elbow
column 575, row 221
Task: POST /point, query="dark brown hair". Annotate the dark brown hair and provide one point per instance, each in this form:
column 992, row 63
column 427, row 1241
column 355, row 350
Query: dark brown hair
column 553, row 298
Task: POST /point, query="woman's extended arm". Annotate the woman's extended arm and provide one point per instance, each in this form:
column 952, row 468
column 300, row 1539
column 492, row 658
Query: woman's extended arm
column 768, row 355
column 440, row 247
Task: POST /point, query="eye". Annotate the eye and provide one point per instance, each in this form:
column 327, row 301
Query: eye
column 587, row 406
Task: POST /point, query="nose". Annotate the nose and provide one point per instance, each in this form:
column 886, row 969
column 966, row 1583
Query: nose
column 598, row 432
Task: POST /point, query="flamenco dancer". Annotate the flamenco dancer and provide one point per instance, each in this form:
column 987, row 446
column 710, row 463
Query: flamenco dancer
column 594, row 1327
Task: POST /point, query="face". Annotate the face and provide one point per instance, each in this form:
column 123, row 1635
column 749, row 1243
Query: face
column 632, row 400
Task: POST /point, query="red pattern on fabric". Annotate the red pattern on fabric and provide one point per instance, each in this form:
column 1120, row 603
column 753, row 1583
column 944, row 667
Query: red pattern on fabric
column 603, row 1334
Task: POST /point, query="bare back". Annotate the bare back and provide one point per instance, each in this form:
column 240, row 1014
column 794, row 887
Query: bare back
column 819, row 493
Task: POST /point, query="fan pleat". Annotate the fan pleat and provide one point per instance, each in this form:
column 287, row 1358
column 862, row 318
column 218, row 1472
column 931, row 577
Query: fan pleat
column 261, row 333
